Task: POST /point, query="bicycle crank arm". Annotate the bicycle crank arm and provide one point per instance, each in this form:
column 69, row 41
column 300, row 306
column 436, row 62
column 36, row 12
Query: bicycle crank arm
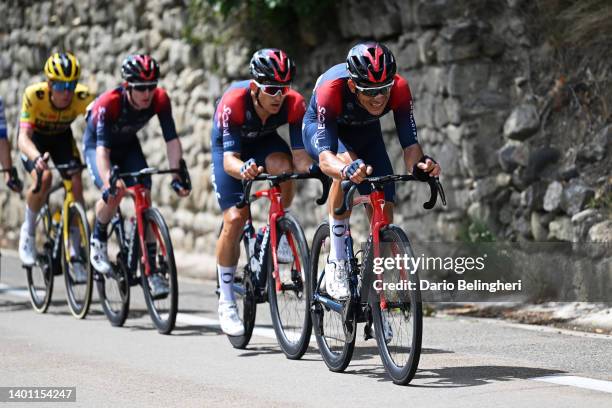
column 332, row 304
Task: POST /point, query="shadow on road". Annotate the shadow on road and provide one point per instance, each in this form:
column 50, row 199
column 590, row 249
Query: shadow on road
column 455, row 377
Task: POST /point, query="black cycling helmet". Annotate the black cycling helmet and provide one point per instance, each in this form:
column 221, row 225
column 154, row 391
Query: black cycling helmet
column 138, row 68
column 272, row 66
column 371, row 64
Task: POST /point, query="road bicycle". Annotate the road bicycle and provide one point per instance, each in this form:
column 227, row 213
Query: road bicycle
column 265, row 278
column 62, row 247
column 397, row 315
column 137, row 251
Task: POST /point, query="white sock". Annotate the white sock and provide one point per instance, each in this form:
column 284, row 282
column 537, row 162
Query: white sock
column 337, row 234
column 29, row 224
column 226, row 281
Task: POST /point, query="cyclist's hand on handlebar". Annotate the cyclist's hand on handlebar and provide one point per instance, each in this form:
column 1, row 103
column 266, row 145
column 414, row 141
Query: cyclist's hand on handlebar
column 425, row 168
column 41, row 162
column 180, row 188
column 13, row 182
column 119, row 190
column 250, row 170
column 356, row 171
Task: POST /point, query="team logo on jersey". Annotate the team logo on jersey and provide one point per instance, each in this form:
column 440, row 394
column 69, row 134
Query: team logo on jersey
column 225, row 115
column 83, row 95
column 321, row 117
column 40, row 94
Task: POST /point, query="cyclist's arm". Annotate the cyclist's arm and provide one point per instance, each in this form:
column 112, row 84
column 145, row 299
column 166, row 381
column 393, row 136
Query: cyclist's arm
column 412, row 155
column 330, row 164
column 301, row 160
column 175, row 153
column 5, row 157
column 104, row 164
column 232, row 164
column 25, row 143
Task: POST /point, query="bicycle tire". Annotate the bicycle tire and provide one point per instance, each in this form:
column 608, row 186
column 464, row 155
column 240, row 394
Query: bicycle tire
column 164, row 320
column 117, row 308
column 407, row 302
column 78, row 305
column 336, row 361
column 44, row 266
column 247, row 303
column 293, row 350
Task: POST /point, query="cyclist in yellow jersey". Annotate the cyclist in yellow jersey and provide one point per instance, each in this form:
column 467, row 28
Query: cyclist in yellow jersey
column 48, row 110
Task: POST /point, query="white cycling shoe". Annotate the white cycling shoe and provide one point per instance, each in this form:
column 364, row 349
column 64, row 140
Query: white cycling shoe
column 27, row 248
column 229, row 320
column 98, row 256
column 336, row 279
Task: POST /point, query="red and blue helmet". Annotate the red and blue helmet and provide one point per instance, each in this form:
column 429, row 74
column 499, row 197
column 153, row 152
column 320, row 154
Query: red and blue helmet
column 138, row 68
column 272, row 66
column 371, row 64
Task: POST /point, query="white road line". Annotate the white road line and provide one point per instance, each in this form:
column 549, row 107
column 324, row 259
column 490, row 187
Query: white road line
column 16, row 292
column 213, row 323
column 575, row 381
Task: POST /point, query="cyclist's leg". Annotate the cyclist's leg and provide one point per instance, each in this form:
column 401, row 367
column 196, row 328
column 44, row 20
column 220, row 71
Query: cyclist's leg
column 276, row 156
column 104, row 213
column 229, row 192
column 34, row 202
column 374, row 153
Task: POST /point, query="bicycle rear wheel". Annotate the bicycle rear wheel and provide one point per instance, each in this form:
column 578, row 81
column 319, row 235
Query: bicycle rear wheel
column 114, row 289
column 244, row 291
column 399, row 327
column 162, row 309
column 335, row 346
column 40, row 275
column 290, row 307
column 78, row 290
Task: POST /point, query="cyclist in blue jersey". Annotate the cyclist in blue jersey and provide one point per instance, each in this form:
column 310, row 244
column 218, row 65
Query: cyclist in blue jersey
column 110, row 139
column 244, row 142
column 342, row 133
column 10, row 177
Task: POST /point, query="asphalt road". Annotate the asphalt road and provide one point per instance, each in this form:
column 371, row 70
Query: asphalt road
column 465, row 362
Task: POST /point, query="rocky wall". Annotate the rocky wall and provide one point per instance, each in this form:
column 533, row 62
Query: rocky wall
column 522, row 139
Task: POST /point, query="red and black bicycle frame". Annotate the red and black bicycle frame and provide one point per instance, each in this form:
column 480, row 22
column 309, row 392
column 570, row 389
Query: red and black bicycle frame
column 275, row 212
column 142, row 203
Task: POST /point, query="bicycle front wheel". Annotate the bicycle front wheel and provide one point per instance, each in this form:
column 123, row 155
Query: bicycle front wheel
column 289, row 306
column 78, row 274
column 114, row 288
column 162, row 306
column 335, row 345
column 40, row 275
column 398, row 321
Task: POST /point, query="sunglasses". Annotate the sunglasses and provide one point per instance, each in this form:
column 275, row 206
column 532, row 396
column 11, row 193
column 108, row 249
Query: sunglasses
column 63, row 85
column 141, row 87
column 382, row 90
column 273, row 90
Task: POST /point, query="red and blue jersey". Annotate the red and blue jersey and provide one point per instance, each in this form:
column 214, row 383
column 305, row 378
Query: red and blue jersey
column 113, row 123
column 333, row 105
column 236, row 121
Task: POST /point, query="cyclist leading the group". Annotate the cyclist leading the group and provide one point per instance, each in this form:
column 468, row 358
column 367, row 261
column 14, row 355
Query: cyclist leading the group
column 48, row 110
column 10, row 177
column 342, row 132
column 111, row 139
column 244, row 142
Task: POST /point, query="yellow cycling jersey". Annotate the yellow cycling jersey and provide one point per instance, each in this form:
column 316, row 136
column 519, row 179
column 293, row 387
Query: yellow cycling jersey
column 39, row 114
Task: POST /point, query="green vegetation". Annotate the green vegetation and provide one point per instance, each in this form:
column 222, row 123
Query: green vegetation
column 476, row 231
column 288, row 24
